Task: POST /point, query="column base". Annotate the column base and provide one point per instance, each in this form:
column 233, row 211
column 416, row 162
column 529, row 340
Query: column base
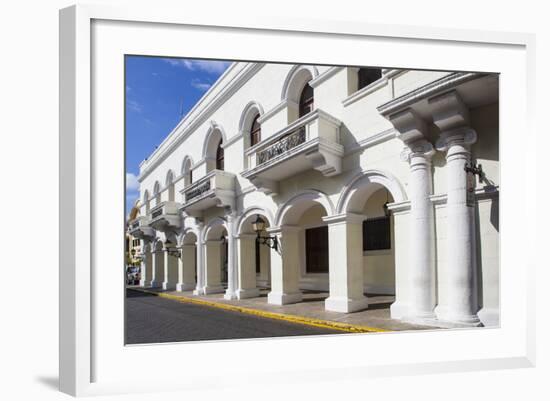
column 490, row 317
column 213, row 289
column 421, row 318
column 166, row 285
column 143, row 283
column 449, row 319
column 247, row 293
column 279, row 298
column 198, row 291
column 155, row 284
column 229, row 295
column 346, row 305
column 185, row 286
column 398, row 310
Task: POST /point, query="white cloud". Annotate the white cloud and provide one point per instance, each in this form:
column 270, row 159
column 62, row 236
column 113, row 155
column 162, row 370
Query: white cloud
column 197, row 84
column 134, row 106
column 132, row 183
column 209, row 66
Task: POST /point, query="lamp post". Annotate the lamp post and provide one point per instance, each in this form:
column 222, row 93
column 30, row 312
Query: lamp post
column 259, row 225
column 172, row 249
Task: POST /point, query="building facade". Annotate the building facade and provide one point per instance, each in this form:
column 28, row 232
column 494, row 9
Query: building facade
column 366, row 178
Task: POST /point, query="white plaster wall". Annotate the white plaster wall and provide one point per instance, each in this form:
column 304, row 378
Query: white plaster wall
column 360, row 121
column 379, row 265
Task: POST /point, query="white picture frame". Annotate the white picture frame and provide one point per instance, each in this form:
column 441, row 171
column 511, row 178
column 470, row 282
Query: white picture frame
column 92, row 357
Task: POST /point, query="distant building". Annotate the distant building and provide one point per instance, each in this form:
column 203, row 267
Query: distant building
column 363, row 175
column 133, row 246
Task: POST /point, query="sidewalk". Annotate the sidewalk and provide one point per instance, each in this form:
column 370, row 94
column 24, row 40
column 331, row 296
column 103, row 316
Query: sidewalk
column 310, row 311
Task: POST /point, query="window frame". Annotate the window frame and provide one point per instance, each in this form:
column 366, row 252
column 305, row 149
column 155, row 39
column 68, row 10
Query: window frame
column 365, row 230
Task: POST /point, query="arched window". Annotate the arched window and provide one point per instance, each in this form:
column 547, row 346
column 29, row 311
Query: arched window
column 219, row 156
column 187, row 172
column 255, row 131
column 367, row 76
column 306, row 101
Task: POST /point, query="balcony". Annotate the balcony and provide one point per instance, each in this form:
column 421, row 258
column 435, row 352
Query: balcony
column 139, row 228
column 165, row 216
column 311, row 142
column 217, row 188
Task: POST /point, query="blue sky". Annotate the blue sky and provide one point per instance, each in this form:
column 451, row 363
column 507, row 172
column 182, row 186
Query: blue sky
column 159, row 92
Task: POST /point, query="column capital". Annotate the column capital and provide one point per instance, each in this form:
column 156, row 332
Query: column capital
column 418, row 149
column 246, row 236
column 344, row 218
column 463, row 137
column 282, row 229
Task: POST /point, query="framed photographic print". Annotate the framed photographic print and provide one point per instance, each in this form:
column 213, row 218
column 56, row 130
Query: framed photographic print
column 313, row 186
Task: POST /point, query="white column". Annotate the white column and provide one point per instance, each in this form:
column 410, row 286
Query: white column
column 422, row 236
column 157, row 276
column 213, row 267
column 170, row 271
column 186, row 268
column 462, row 301
column 421, row 298
column 246, row 246
column 199, row 290
column 285, row 267
column 146, row 265
column 452, row 117
column 232, row 277
column 345, row 263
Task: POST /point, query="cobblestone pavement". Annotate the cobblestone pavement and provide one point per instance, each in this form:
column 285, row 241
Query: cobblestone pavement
column 151, row 319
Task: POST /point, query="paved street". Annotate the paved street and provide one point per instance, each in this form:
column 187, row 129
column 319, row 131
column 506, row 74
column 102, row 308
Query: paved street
column 151, row 319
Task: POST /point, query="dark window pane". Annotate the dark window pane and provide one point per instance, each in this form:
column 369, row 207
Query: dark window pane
column 306, row 100
column 255, row 132
column 367, row 76
column 317, row 250
column 219, row 157
column 376, row 234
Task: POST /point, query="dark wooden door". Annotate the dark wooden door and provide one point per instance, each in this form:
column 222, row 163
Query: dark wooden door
column 317, row 250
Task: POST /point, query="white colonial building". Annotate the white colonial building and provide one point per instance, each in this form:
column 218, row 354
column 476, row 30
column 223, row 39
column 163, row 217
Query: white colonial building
column 364, row 176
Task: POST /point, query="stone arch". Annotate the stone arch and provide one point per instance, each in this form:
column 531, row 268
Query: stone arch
column 295, row 80
column 212, row 228
column 249, row 112
column 292, row 209
column 186, row 235
column 169, row 185
column 251, row 211
column 156, row 192
column 187, row 170
column 365, row 184
column 213, row 135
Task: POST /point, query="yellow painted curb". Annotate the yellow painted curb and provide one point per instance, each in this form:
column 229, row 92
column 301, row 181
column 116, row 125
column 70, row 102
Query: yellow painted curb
column 327, row 324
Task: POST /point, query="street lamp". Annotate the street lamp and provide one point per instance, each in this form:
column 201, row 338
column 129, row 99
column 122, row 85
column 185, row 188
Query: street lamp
column 172, row 249
column 258, row 225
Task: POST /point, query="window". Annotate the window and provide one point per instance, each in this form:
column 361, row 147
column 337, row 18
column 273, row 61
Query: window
column 219, row 157
column 255, row 131
column 317, row 250
column 367, row 76
column 190, row 176
column 306, row 101
column 376, row 234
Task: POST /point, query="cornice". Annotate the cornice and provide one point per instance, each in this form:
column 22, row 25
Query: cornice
column 372, row 140
column 367, row 90
column 198, row 114
column 324, row 76
column 433, row 88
